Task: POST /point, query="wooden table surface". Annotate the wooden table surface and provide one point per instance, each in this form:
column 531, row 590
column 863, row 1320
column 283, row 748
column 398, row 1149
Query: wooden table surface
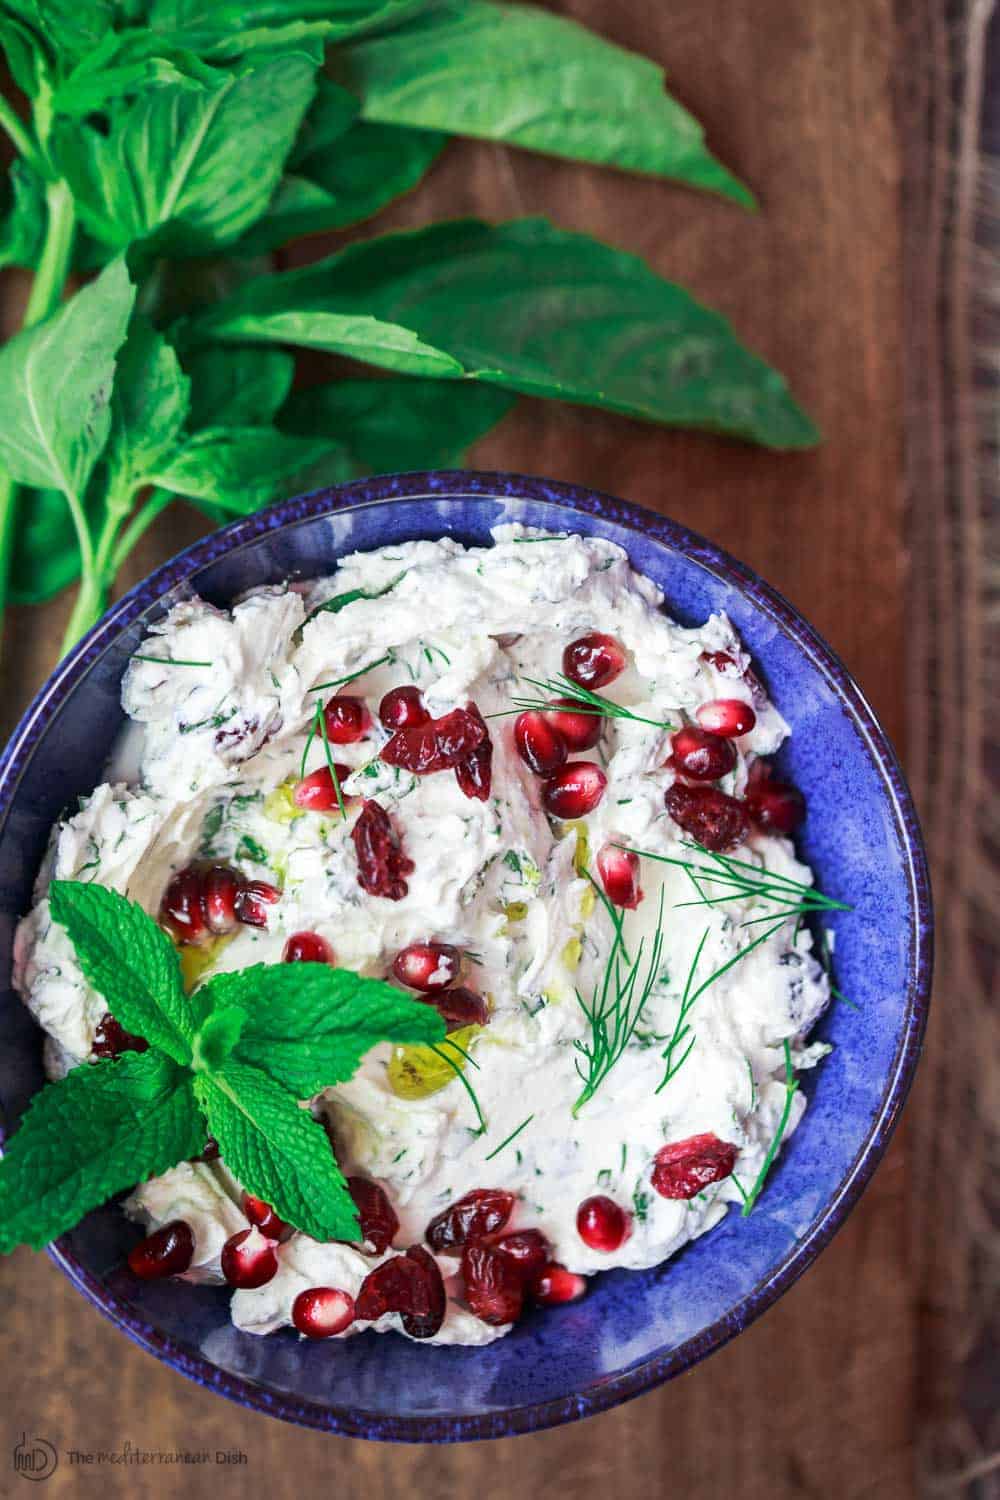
column 816, row 1398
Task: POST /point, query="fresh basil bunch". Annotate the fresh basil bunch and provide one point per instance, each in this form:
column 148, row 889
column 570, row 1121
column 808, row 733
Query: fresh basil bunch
column 213, row 131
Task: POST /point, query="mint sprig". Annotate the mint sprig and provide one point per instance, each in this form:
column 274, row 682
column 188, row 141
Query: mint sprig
column 232, row 1061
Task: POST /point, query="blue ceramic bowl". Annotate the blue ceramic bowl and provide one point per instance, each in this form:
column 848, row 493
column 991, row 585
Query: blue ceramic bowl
column 633, row 1329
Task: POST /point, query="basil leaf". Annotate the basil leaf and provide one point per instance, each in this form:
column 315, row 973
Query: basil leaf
column 46, row 556
column 148, row 407
column 55, row 386
column 277, row 1150
column 69, row 29
column 127, row 64
column 398, row 424
column 102, row 1128
column 532, row 308
column 238, row 387
column 243, row 468
column 22, row 228
column 227, row 28
column 332, row 188
column 188, row 169
column 520, row 75
column 128, row 960
column 331, row 114
column 309, row 1025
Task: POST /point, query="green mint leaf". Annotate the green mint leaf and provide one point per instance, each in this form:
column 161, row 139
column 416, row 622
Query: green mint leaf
column 148, row 407
column 239, row 387
column 188, row 169
column 217, row 1036
column 398, row 424
column 277, row 1150
column 55, row 386
column 102, row 1128
column 22, row 228
column 309, row 1025
column 243, row 468
column 531, row 308
column 130, row 961
column 520, row 75
column 344, row 184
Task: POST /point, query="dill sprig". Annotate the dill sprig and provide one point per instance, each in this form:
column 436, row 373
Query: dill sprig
column 170, row 661
column 339, row 682
column 682, row 1029
column 584, row 702
column 739, row 879
column 791, row 1088
column 614, row 1010
column 513, row 1135
column 318, row 726
column 467, row 1086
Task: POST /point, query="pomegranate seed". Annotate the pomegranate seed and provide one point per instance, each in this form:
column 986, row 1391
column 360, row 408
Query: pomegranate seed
column 347, row 720
column 379, row 1224
column 460, row 1007
column 182, row 911
column 527, row 1248
column 775, row 806
column 479, row 1213
column 167, row 1252
column 219, row 892
column 602, row 1224
column 111, row 1039
column 263, row 1217
column 579, row 730
column 403, row 708
column 437, row 745
column 474, row 774
column 723, row 663
column 427, row 966
column 382, row 865
column 317, row 791
column 682, row 1169
column 575, row 790
column 539, row 745
column 729, row 717
column 716, row 821
column 248, row 1259
column 700, row 755
column 594, row 660
column 494, row 1285
column 253, row 900
column 307, row 948
column 554, row 1284
column 619, row 872
column 321, row 1312
column 408, row 1284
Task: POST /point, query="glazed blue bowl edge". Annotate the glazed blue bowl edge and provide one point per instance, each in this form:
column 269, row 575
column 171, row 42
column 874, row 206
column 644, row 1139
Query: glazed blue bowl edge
column 633, row 1330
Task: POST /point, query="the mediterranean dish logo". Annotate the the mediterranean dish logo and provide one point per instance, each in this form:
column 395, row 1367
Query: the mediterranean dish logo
column 34, row 1458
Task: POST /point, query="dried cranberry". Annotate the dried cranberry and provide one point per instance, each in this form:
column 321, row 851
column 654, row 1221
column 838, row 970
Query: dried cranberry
column 494, row 1286
column 602, row 1223
column 729, row 717
column 575, row 790
column 539, row 743
column 263, row 1217
column 403, row 708
column 683, row 1168
column 580, row 730
column 307, row 948
column 347, row 720
column 594, row 660
column 248, row 1259
column 460, row 1007
column 321, row 1312
column 111, row 1039
column 382, row 865
column 554, row 1285
column 619, row 872
column 528, row 1249
column 253, row 900
column 167, row 1252
column 481, row 1212
column 210, row 1151
column 317, row 792
column 409, row 1284
column 700, row 755
column 774, row 806
column 379, row 1224
column 436, row 745
column 474, row 774
column 427, row 966
column 716, row 821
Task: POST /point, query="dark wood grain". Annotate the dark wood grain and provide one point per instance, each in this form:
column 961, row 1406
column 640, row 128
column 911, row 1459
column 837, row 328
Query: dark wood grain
column 816, row 1399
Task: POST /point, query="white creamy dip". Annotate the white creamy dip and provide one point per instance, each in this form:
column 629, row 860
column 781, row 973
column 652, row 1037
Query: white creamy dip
column 494, row 878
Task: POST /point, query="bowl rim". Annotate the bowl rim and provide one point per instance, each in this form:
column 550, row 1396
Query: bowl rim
column 468, row 484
